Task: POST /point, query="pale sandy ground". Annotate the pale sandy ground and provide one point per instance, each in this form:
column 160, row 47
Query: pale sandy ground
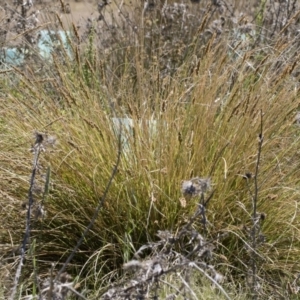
column 80, row 10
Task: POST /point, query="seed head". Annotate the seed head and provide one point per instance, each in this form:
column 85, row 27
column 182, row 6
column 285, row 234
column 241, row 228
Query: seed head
column 195, row 186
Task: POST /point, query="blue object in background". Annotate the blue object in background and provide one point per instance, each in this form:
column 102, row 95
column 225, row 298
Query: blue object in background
column 47, row 42
column 11, row 56
column 125, row 126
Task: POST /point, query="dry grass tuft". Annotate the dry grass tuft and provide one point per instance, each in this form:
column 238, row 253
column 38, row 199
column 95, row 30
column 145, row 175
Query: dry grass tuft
column 187, row 86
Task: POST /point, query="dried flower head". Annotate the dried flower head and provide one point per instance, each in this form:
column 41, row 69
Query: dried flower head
column 195, row 186
column 38, row 138
column 188, row 188
column 248, row 175
column 38, row 144
column 263, row 216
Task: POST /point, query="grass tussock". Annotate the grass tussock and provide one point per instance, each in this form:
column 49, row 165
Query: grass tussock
column 202, row 96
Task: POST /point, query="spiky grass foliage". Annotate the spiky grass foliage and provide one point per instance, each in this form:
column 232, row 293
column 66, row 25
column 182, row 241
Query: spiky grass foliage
column 203, row 119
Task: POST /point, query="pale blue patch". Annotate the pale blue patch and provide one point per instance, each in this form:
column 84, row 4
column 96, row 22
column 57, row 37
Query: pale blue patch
column 48, row 42
column 11, row 56
column 123, row 127
column 126, row 126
